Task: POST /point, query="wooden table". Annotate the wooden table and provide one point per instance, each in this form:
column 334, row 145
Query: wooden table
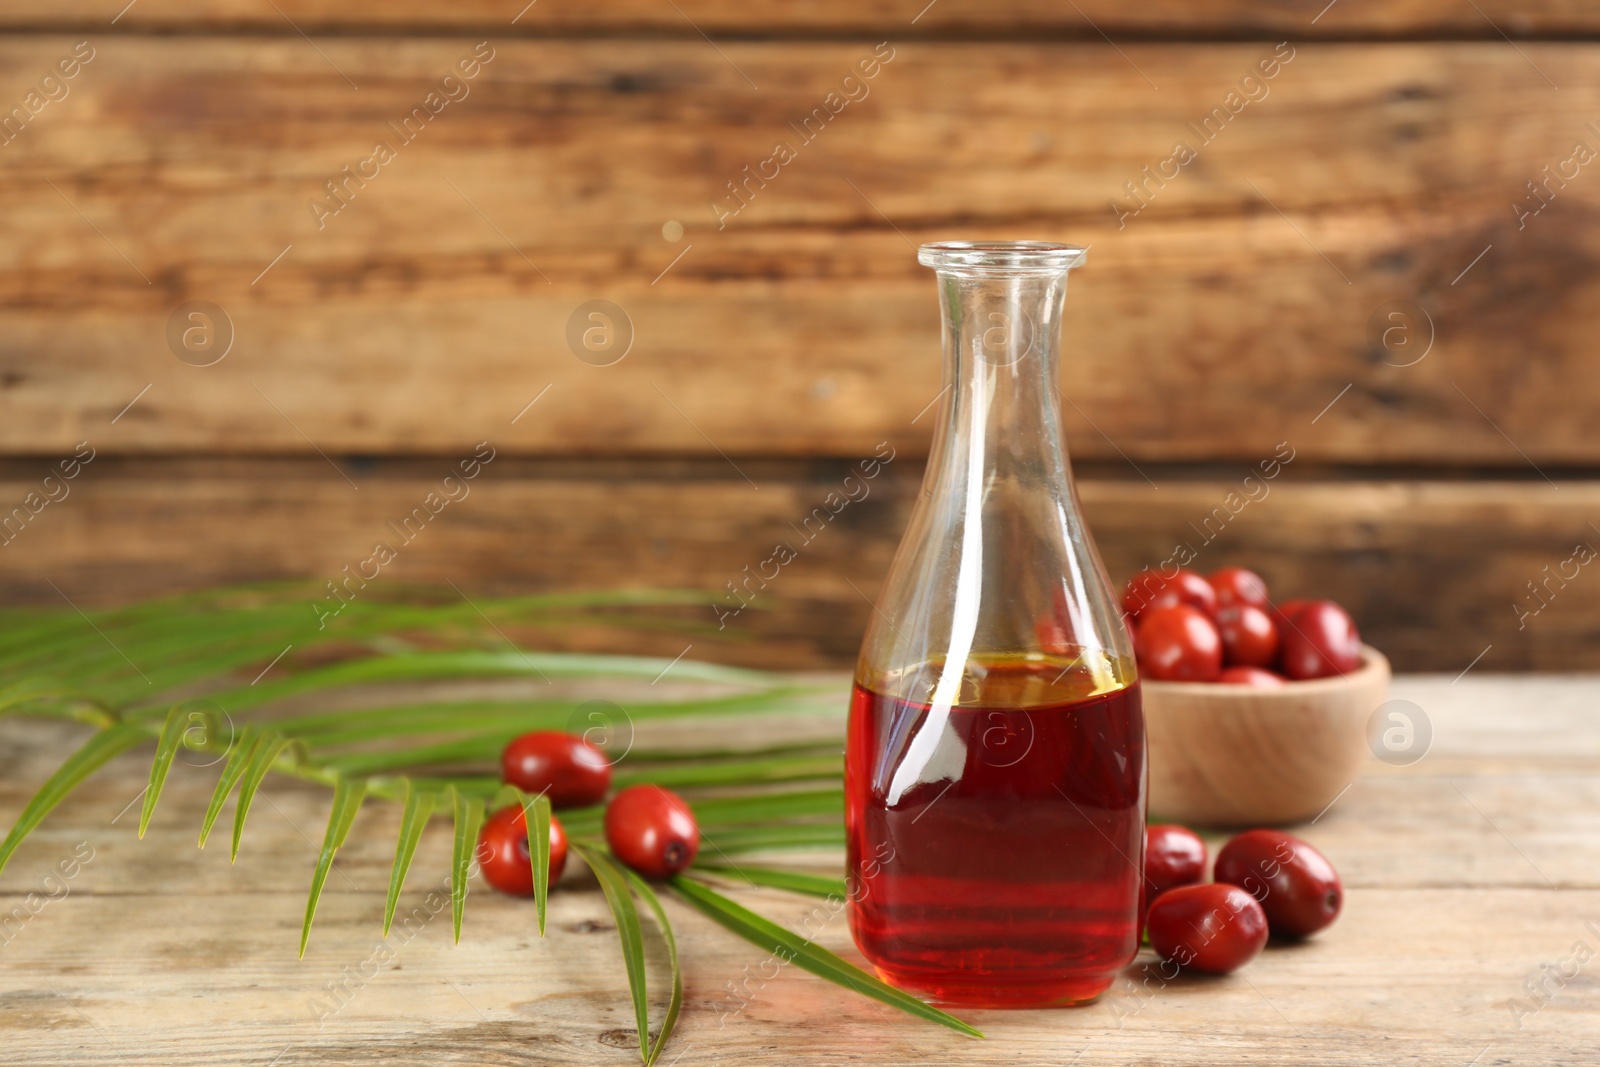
column 1472, row 877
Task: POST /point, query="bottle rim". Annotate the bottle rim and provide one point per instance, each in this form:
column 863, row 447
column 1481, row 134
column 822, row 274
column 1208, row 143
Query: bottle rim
column 1001, row 257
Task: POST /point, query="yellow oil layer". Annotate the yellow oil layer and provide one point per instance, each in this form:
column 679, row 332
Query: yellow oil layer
column 1012, row 680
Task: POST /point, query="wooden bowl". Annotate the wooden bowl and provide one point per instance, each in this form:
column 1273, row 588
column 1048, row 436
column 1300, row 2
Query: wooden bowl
column 1232, row 755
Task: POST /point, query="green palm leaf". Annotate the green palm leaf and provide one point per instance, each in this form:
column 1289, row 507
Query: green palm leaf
column 239, row 753
column 675, row 1004
column 536, row 813
column 765, row 808
column 419, row 807
column 261, row 760
column 99, row 750
column 773, row 938
column 469, row 820
column 415, row 666
column 776, row 769
column 166, row 748
column 220, row 643
column 815, row 885
column 775, row 836
column 347, row 796
column 536, row 817
column 615, row 886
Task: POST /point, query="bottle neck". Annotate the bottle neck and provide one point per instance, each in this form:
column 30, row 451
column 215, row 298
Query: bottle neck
column 998, row 449
column 1002, row 419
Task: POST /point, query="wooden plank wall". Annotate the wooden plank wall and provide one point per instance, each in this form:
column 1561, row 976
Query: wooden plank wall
column 1382, row 250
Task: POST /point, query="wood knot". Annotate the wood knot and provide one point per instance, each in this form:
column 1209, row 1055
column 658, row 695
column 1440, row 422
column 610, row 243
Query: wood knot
column 628, row 1039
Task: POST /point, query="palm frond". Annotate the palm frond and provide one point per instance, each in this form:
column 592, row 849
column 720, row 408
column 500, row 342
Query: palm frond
column 135, row 672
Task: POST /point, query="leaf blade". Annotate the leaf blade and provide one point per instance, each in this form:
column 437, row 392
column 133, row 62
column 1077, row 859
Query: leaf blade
column 536, row 818
column 768, row 935
column 348, row 793
column 618, row 896
column 675, row 1004
column 261, row 760
column 778, row 836
column 238, row 758
column 172, row 732
column 415, row 666
column 536, row 812
column 468, row 821
column 102, row 748
column 815, row 885
column 775, row 769
column 419, row 807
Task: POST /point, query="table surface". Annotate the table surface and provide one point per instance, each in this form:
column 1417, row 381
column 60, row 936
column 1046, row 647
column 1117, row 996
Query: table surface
column 1470, row 936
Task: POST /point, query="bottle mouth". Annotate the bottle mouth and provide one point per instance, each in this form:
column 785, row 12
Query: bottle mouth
column 1001, row 258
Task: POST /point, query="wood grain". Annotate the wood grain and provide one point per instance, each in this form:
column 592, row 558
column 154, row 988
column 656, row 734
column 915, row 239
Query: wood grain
column 1159, row 18
column 1444, row 919
column 1434, row 572
column 1224, row 318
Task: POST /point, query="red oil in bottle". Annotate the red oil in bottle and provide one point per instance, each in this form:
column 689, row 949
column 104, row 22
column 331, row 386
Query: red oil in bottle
column 1003, row 870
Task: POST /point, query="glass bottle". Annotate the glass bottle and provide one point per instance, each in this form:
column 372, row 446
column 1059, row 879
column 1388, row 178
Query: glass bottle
column 995, row 767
